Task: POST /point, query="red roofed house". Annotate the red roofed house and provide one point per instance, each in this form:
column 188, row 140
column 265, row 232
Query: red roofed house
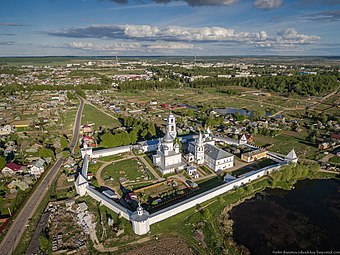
column 87, row 129
column 335, row 136
column 11, row 168
column 89, row 140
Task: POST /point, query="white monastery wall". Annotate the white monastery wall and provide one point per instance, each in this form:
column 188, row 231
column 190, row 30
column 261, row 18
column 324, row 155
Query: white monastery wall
column 109, row 203
column 191, row 202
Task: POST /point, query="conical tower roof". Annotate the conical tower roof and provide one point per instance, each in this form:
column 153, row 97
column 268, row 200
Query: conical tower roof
column 291, row 155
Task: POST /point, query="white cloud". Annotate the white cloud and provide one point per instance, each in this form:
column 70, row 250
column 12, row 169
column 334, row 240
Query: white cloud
column 151, row 33
column 107, row 47
column 137, row 37
column 137, row 47
column 288, row 38
column 268, row 4
column 2, row 42
column 201, row 2
column 189, row 2
column 171, row 46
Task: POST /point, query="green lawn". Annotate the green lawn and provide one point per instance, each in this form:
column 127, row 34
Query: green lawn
column 100, row 119
column 3, row 208
column 254, row 166
column 68, row 118
column 284, row 144
column 93, row 168
column 335, row 160
column 128, row 169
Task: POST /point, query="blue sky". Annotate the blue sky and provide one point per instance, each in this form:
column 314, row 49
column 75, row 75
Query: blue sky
column 169, row 27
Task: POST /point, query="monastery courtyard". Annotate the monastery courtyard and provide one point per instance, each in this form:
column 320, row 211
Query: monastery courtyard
column 136, row 173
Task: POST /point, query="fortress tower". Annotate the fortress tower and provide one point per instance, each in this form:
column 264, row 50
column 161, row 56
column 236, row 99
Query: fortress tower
column 140, row 221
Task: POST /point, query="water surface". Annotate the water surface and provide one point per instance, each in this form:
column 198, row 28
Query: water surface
column 306, row 218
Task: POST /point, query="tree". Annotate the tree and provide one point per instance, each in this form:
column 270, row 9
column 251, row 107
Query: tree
column 133, row 136
column 239, row 116
column 65, row 154
column 63, row 142
column 323, row 118
column 258, row 114
column 80, row 92
column 2, row 162
column 44, row 243
column 46, row 153
column 69, row 95
column 152, row 129
column 107, row 140
column 144, row 133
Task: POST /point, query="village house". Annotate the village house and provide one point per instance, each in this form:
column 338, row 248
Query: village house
column 11, row 168
column 38, row 167
column 6, row 130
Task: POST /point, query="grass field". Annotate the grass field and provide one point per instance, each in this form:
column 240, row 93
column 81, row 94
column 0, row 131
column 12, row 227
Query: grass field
column 129, row 169
column 100, row 119
column 68, row 118
column 93, row 168
column 41, row 60
column 335, row 160
column 254, row 166
column 284, row 143
column 3, row 206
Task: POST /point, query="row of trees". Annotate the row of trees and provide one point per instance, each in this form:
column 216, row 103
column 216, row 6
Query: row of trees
column 212, row 121
column 145, row 85
column 10, row 89
column 305, row 85
column 136, row 130
column 292, row 173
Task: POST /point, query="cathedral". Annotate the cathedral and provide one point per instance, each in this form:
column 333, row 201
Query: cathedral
column 168, row 158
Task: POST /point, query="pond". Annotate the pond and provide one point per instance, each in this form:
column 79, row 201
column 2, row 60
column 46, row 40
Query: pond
column 306, row 218
column 229, row 110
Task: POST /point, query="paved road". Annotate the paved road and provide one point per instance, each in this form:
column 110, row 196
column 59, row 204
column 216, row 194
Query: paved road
column 76, row 125
column 17, row 229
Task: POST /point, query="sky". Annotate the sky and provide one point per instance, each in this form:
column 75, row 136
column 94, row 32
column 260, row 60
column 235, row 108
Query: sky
column 169, row 27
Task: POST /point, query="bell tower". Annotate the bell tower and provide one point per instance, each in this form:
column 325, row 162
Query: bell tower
column 171, row 125
column 199, row 150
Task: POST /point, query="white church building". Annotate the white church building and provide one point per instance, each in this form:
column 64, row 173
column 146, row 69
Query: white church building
column 204, row 151
column 168, row 158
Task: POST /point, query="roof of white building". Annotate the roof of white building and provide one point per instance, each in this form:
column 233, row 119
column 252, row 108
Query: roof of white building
column 80, row 180
column 216, row 153
column 111, row 149
column 143, row 215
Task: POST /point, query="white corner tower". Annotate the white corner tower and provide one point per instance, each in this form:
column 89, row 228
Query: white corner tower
column 86, row 150
column 171, row 125
column 140, row 221
column 291, row 157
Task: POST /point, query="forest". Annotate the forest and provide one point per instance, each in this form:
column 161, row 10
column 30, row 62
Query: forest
column 304, row 85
